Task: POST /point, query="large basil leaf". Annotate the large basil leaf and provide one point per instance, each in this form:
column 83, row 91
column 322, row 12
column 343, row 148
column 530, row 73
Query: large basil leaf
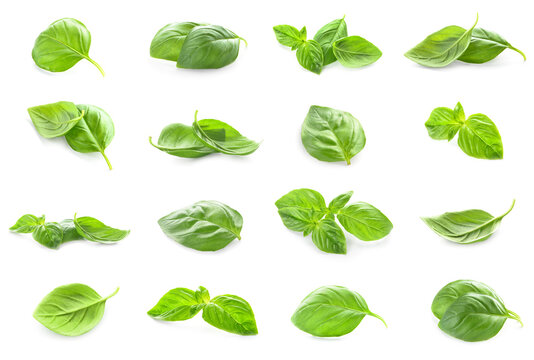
column 486, row 45
column 230, row 313
column 442, row 47
column 62, row 45
column 71, row 310
column 93, row 133
column 177, row 305
column 301, row 210
column 465, row 227
column 70, row 233
column 339, row 202
column 364, row 221
column 288, row 35
column 332, row 135
column 331, row 311
column 56, row 119
column 204, row 226
column 168, row 41
column 444, row 123
column 480, row 138
column 209, row 47
column 310, row 56
column 27, row 224
column 95, row 230
column 355, row 52
column 327, row 35
column 180, row 140
column 49, row 234
column 328, row 236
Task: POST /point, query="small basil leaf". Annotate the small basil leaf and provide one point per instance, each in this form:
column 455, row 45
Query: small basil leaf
column 332, row 135
column 327, row 35
column 364, row 221
column 442, row 124
column 202, row 295
column 56, row 119
column 442, row 47
column 168, row 41
column 355, row 52
column 303, row 34
column 480, row 138
column 69, row 231
column 62, row 45
column 486, row 45
column 459, row 114
column 180, row 140
column 331, row 311
column 204, row 226
column 177, row 305
column 465, row 227
column 94, row 230
column 339, row 202
column 310, row 56
column 288, row 35
column 328, row 237
column 27, row 224
column 301, row 209
column 230, row 313
column 49, row 234
column 71, row 310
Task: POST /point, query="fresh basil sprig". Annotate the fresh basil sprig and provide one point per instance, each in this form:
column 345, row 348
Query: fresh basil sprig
column 226, row 312
column 478, row 136
column 305, row 210
column 471, row 311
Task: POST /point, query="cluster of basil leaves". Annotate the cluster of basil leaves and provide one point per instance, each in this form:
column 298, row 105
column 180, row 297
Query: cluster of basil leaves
column 204, row 137
column 53, row 234
column 474, row 45
column 478, row 136
column 330, row 44
column 195, row 45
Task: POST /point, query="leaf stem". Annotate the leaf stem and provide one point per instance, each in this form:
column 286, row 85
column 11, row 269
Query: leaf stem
column 514, row 316
column 519, row 51
column 511, row 207
column 107, row 160
column 113, row 294
column 378, row 317
column 96, row 64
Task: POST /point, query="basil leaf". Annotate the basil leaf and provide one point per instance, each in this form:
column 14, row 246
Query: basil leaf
column 364, row 221
column 442, row 47
column 177, row 305
column 49, row 234
column 202, row 295
column 331, row 311
column 443, row 124
column 54, row 120
column 168, row 41
column 288, row 35
column 328, row 236
column 301, row 210
column 69, row 231
column 94, row 230
column 180, row 140
column 71, row 310
column 209, row 47
column 93, row 133
column 480, row 138
column 327, row 35
column 230, row 313
column 310, row 56
column 486, row 45
column 355, row 52
column 27, row 224
column 339, row 202
column 303, row 35
column 465, row 227
column 332, row 135
column 204, row 226
column 62, row 45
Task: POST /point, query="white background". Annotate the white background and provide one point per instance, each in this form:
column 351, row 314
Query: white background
column 265, row 94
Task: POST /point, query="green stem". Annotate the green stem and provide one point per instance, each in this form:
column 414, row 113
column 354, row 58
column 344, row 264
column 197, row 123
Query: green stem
column 511, row 207
column 114, row 293
column 519, row 51
column 107, row 160
column 514, row 316
column 96, row 64
column 378, row 317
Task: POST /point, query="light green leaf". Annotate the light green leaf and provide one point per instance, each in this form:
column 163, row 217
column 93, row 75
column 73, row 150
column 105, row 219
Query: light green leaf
column 486, row 45
column 49, row 234
column 177, row 305
column 301, row 210
column 69, row 231
column 355, row 52
column 328, row 35
column 168, row 41
column 230, row 313
column 364, row 221
column 339, row 202
column 27, row 224
column 328, row 236
column 310, row 56
column 94, row 230
column 56, row 119
column 480, row 138
column 180, row 140
column 442, row 124
column 288, row 35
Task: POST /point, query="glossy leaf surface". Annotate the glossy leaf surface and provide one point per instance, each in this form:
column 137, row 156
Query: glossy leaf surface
column 168, row 41
column 27, row 224
column 95, row 230
column 328, row 236
column 310, row 56
column 301, row 209
column 328, row 35
column 230, row 313
column 288, row 35
column 486, row 45
column 177, row 305
column 56, row 119
column 339, row 202
column 180, row 140
column 355, row 52
column 480, row 138
column 364, row 221
column 49, row 234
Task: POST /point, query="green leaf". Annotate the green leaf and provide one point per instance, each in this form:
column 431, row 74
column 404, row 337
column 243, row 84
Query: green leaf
column 180, row 140
column 62, row 45
column 303, row 33
column 168, row 41
column 465, row 227
column 301, row 210
column 486, row 45
column 364, row 221
column 480, row 138
column 442, row 47
column 56, row 119
column 27, row 224
column 94, row 230
column 339, row 202
column 71, row 310
column 288, row 35
column 328, row 237
column 49, row 234
column 332, row 135
column 204, row 226
column 443, row 124
column 202, row 295
column 331, row 311
column 69, row 231
column 230, row 313
column 310, row 56
column 355, row 52
column 327, row 35
column 177, row 305
column 209, row 47
column 93, row 133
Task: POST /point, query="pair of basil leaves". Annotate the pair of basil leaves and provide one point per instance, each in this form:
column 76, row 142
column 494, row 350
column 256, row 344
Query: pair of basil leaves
column 474, row 45
column 71, row 310
column 204, row 137
column 471, row 311
column 478, row 135
column 330, row 44
column 87, row 128
column 195, row 45
column 305, row 210
column 53, row 234
column 332, row 135
column 230, row 313
column 62, row 45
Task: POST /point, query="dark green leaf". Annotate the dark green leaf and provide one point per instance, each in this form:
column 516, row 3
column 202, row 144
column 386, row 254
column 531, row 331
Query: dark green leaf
column 301, row 210
column 168, row 41
column 56, row 119
column 485, row 46
column 94, row 230
column 177, row 305
column 69, row 231
column 328, row 236
column 327, row 35
column 27, row 224
column 180, row 140
column 364, row 221
column 310, row 56
column 49, row 234
column 355, row 52
column 230, row 313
